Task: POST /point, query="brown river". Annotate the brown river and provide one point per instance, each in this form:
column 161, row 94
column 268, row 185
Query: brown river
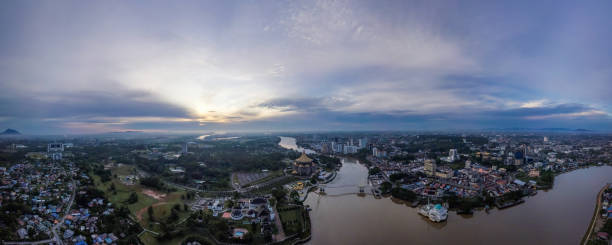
column 558, row 216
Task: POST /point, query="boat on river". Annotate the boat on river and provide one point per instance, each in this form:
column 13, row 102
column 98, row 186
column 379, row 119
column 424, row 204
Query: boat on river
column 435, row 212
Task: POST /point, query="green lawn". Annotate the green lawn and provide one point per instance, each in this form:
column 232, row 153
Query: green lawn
column 161, row 210
column 123, row 192
column 292, row 219
column 149, row 239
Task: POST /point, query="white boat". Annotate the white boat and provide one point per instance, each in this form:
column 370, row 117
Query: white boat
column 435, row 213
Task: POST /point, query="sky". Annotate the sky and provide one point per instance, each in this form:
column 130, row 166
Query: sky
column 78, row 67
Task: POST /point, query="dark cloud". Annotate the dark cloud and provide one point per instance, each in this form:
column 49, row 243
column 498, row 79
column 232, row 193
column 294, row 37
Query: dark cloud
column 87, row 104
column 542, row 111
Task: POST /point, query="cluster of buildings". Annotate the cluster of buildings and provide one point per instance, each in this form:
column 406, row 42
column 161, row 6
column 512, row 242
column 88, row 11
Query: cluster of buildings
column 45, row 188
column 605, row 216
column 342, row 146
column 494, row 164
column 469, row 181
column 82, row 224
column 55, row 152
column 606, row 204
column 246, row 211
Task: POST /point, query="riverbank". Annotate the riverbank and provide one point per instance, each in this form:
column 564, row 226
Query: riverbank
column 392, row 222
column 595, row 218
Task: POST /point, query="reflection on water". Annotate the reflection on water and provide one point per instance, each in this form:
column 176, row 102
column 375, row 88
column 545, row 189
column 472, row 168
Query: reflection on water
column 558, row 216
column 202, row 137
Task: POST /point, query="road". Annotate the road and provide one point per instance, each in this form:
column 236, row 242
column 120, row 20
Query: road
column 56, row 238
column 31, row 243
column 280, row 236
column 229, row 192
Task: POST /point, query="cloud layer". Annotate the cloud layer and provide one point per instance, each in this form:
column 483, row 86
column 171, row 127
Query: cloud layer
column 78, row 67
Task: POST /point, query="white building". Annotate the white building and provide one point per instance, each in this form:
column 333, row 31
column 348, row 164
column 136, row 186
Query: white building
column 55, row 150
column 452, row 155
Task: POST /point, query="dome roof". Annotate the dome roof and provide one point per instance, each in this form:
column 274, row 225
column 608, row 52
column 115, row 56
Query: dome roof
column 303, row 159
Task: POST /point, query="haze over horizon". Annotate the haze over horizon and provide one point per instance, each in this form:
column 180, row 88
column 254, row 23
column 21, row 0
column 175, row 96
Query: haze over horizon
column 74, row 67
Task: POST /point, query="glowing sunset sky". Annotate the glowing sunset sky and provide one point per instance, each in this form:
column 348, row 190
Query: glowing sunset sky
column 191, row 66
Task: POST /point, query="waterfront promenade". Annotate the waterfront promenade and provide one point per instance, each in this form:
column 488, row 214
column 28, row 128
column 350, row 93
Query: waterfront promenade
column 595, row 218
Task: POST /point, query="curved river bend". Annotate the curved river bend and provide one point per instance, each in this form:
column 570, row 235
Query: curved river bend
column 557, row 216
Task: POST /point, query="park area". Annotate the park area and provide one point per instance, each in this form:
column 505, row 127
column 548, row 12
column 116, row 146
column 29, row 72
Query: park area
column 294, row 219
column 166, row 207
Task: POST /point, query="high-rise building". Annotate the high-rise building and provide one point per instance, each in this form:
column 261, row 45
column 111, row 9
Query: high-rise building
column 185, row 148
column 468, row 164
column 339, row 148
column 326, row 147
column 452, row 155
column 430, row 167
column 350, row 149
column 363, row 142
column 55, row 150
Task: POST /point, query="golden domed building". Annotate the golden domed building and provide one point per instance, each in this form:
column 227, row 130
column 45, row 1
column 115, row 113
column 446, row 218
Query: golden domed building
column 304, row 166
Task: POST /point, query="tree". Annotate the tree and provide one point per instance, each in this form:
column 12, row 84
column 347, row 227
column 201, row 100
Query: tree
column 185, row 207
column 133, row 198
column 150, row 212
column 403, row 194
column 385, row 187
column 295, row 195
column 279, row 194
column 374, row 170
column 313, row 179
column 229, row 203
column 173, row 216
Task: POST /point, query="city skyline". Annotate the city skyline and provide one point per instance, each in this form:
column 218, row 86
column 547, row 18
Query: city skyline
column 72, row 67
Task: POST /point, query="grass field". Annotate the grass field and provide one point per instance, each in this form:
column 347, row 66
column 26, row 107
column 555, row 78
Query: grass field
column 292, row 219
column 161, row 208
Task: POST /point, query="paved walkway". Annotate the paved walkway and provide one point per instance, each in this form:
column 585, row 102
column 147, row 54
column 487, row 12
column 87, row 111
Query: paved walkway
column 595, row 218
column 280, row 236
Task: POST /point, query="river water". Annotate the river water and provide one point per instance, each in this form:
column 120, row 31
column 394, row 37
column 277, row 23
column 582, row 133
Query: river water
column 557, row 216
column 289, row 143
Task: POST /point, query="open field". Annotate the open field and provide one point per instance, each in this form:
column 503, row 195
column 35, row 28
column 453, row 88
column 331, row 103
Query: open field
column 292, row 219
column 161, row 202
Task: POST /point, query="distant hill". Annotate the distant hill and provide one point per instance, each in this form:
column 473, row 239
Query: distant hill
column 10, row 131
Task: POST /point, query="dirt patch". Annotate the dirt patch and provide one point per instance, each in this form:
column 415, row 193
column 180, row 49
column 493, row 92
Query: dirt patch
column 154, row 194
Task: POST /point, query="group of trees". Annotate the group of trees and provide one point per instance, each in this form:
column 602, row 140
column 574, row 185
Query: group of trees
column 9, row 212
column 385, row 187
column 329, row 163
column 105, row 175
column 465, row 205
column 374, row 171
column 403, row 194
column 153, row 182
column 547, row 179
column 132, row 199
